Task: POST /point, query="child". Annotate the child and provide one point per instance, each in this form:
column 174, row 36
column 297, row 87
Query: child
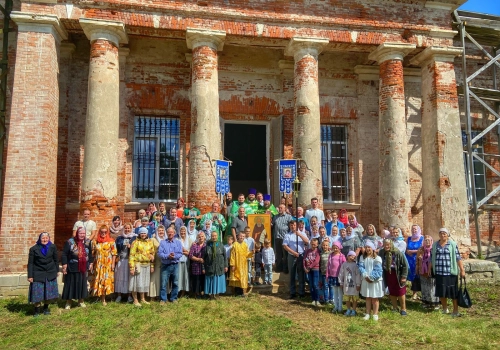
column 227, row 248
column 326, row 290
column 251, row 246
column 268, row 259
column 257, row 264
column 350, row 282
column 311, row 267
column 335, row 261
column 370, row 266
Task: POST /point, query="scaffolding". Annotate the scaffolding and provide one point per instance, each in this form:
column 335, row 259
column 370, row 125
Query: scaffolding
column 482, row 31
column 6, row 9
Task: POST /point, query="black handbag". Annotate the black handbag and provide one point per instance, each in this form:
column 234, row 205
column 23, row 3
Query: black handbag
column 464, row 299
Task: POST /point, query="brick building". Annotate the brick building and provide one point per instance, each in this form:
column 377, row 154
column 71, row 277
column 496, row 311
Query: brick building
column 115, row 104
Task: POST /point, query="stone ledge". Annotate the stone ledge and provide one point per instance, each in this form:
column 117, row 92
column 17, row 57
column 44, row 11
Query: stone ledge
column 13, row 285
column 482, row 270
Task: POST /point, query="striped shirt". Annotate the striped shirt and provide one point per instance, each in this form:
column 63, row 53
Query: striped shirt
column 280, row 225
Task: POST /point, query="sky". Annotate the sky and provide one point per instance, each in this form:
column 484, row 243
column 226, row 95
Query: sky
column 491, row 7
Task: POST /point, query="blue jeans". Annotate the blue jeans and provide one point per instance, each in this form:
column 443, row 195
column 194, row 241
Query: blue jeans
column 326, row 289
column 169, row 272
column 268, row 277
column 294, row 268
column 313, row 284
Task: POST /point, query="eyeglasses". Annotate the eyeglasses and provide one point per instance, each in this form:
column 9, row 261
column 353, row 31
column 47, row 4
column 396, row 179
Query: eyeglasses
column 104, row 231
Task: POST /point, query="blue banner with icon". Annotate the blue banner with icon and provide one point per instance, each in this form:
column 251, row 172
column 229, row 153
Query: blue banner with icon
column 222, row 177
column 288, row 172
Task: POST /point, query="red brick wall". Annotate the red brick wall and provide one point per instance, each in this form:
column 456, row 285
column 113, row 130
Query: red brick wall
column 29, row 200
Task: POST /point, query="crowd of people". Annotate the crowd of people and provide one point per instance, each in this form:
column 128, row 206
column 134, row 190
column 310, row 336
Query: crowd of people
column 167, row 254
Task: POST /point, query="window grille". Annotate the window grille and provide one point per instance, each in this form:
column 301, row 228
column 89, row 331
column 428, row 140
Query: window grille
column 334, row 163
column 156, row 158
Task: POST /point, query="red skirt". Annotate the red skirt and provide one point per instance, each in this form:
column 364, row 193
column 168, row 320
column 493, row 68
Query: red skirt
column 391, row 279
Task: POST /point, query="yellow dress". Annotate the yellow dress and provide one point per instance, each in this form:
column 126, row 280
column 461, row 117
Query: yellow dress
column 238, row 259
column 104, row 277
column 140, row 253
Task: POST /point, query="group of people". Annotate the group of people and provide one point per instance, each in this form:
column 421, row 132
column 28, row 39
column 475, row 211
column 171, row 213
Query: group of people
column 166, row 254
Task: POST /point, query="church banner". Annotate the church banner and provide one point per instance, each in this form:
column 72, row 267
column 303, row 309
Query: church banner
column 288, row 172
column 222, row 177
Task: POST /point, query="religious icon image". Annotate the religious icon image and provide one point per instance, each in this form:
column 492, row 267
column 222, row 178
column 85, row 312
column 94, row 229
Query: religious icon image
column 223, row 174
column 260, row 224
column 287, row 173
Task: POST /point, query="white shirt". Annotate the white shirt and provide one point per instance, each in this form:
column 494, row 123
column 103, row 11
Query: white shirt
column 315, row 212
column 88, row 225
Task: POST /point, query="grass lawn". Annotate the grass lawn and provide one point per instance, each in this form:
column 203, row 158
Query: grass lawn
column 258, row 322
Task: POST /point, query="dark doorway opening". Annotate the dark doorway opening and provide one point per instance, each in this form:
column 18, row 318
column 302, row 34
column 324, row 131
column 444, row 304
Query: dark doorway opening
column 245, row 145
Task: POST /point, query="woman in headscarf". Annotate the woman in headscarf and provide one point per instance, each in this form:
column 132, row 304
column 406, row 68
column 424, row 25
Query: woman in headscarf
column 343, row 218
column 192, row 232
column 42, row 273
column 196, row 254
column 371, row 235
column 104, row 265
column 123, row 244
column 215, row 266
column 356, row 227
column 183, row 261
column 414, row 243
column 116, row 227
column 423, row 270
column 446, row 262
column 349, row 241
column 395, row 273
column 141, row 264
column 155, row 279
column 398, row 239
column 76, row 261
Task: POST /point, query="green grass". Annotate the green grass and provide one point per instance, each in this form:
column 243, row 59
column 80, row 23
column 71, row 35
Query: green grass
column 258, row 322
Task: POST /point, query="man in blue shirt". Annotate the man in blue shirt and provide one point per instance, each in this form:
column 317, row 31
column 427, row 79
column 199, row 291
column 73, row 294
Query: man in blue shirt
column 170, row 251
column 294, row 244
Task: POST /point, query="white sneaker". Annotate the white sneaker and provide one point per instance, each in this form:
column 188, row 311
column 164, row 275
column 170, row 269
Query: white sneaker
column 118, row 299
column 375, row 317
column 82, row 305
column 314, row 303
column 366, row 317
column 67, row 307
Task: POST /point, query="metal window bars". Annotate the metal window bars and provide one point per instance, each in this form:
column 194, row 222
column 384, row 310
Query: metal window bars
column 481, row 30
column 334, row 163
column 156, row 158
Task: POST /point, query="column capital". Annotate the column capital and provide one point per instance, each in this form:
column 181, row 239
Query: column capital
column 436, row 53
column 391, row 51
column 298, row 47
column 113, row 31
column 196, row 37
column 31, row 22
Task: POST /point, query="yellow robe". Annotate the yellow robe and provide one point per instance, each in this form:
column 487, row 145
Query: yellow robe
column 238, row 259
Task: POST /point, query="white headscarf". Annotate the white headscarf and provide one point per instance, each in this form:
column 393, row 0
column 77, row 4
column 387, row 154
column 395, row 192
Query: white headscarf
column 192, row 234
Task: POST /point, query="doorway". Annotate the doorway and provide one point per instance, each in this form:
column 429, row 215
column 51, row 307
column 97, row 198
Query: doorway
column 246, row 146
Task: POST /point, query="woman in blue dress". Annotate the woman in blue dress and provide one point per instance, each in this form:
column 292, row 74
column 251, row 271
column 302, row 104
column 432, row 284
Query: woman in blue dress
column 414, row 242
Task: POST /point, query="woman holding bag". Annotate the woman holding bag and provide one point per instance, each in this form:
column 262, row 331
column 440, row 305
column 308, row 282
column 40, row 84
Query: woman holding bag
column 446, row 263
